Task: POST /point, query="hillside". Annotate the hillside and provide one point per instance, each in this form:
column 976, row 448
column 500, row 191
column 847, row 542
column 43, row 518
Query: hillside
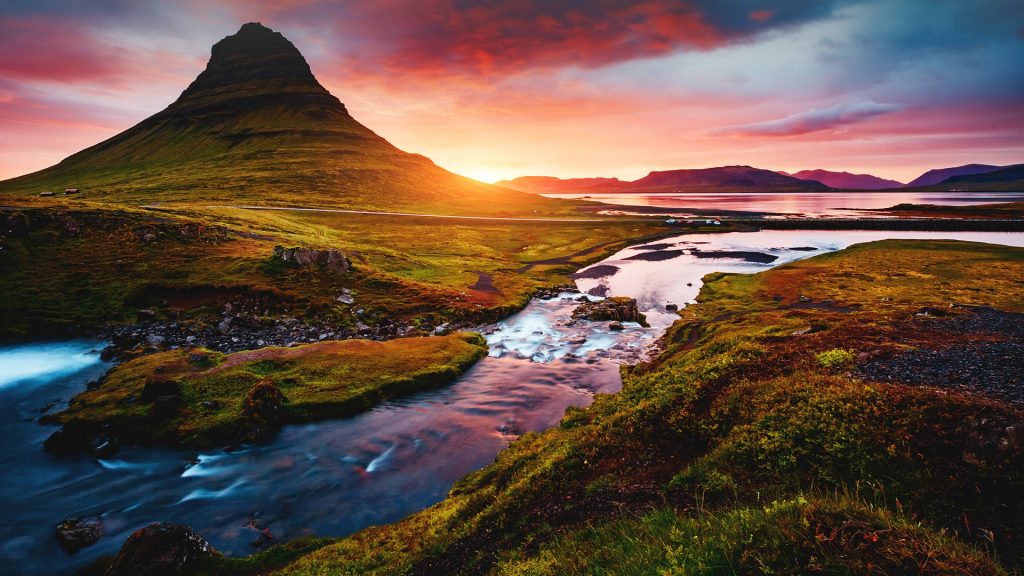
column 1007, row 178
column 939, row 175
column 846, row 180
column 257, row 127
column 720, row 179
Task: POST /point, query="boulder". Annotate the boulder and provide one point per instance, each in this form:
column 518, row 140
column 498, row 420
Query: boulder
column 615, row 309
column 671, row 307
column 332, row 260
column 74, row 533
column 73, row 437
column 154, row 389
column 262, row 410
column 162, row 549
column 167, row 406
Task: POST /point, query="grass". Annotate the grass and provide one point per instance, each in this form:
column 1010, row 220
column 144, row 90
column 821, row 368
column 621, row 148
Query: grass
column 999, row 210
column 323, row 380
column 737, row 452
column 59, row 277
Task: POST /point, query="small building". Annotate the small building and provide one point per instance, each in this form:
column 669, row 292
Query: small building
column 46, row 193
column 71, row 190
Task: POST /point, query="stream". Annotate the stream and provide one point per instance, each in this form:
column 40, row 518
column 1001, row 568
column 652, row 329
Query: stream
column 335, row 477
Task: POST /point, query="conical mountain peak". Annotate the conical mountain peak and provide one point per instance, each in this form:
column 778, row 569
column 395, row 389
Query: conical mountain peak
column 255, row 57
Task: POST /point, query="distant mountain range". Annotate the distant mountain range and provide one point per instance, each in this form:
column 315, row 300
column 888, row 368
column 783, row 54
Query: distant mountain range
column 940, row 175
column 257, row 127
column 745, row 179
column 721, row 179
column 846, row 180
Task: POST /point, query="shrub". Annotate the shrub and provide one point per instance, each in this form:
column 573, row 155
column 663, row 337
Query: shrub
column 835, row 358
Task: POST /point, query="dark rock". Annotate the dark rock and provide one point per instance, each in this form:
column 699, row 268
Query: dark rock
column 616, row 326
column 671, row 307
column 162, row 549
column 617, row 309
column 92, row 385
column 146, row 314
column 212, row 405
column 74, row 533
column 73, row 437
column 263, row 411
column 167, row 406
column 154, row 389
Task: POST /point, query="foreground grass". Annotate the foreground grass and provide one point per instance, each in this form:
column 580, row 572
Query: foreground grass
column 740, row 451
column 323, row 380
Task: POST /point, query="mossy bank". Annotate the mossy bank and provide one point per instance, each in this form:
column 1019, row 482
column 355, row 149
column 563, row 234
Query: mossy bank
column 199, row 398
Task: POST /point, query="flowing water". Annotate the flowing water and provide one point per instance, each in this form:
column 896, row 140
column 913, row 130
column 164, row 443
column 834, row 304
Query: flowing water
column 336, row 477
column 815, row 204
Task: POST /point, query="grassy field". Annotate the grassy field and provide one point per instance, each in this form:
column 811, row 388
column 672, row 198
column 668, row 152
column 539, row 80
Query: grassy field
column 221, row 395
column 752, row 444
column 71, row 265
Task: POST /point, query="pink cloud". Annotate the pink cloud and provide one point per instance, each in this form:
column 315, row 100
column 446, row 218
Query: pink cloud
column 815, row 120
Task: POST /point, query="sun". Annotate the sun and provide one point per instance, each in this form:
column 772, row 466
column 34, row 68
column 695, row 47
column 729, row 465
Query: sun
column 487, row 175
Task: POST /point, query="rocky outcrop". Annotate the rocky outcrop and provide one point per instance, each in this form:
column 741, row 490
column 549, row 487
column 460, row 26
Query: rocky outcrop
column 615, row 309
column 75, row 533
column 263, row 411
column 162, row 549
column 332, row 260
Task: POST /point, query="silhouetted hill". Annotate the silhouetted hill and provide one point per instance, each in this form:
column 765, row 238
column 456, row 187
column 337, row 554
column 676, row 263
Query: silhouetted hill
column 939, row 175
column 847, row 180
column 721, row 179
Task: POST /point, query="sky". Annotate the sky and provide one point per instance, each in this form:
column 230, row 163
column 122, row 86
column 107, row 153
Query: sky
column 569, row 88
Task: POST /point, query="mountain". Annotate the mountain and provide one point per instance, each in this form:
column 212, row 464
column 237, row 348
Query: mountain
column 552, row 185
column 937, row 176
column 721, row 179
column 1007, row 178
column 724, row 178
column 257, row 127
column 846, row 180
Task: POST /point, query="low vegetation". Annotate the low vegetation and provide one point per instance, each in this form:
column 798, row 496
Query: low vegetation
column 199, row 398
column 74, row 266
column 738, row 451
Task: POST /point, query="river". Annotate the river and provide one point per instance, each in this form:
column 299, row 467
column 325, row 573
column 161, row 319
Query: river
column 335, row 477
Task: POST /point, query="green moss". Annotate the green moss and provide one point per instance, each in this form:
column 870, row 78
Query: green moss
column 835, row 358
column 322, row 380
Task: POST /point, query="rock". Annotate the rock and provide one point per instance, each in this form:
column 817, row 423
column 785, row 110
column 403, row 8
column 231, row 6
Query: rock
column 333, row 260
column 616, row 326
column 263, row 411
column 146, row 314
column 617, row 309
column 74, row 533
column 671, row 307
column 440, row 330
column 155, row 340
column 167, row 406
column 212, row 405
column 72, row 438
column 162, row 549
column 689, row 283
column 154, row 389
column 225, row 325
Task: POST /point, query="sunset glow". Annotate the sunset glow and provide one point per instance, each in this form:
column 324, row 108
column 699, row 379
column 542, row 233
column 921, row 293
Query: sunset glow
column 570, row 89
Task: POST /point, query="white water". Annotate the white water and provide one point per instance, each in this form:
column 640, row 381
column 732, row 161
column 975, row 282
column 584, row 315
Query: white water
column 35, row 362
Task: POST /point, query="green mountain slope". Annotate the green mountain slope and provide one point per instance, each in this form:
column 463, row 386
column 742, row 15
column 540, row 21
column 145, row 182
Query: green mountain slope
column 257, row 127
